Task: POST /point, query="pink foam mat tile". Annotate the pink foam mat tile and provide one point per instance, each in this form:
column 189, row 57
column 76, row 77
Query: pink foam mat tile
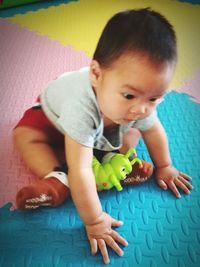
column 192, row 87
column 28, row 62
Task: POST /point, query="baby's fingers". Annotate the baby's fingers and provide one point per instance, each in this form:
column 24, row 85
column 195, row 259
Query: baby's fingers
column 93, row 245
column 174, row 189
column 116, row 223
column 162, row 184
column 181, row 185
column 188, row 184
column 119, row 238
column 104, row 251
column 184, row 184
column 112, row 244
column 185, row 176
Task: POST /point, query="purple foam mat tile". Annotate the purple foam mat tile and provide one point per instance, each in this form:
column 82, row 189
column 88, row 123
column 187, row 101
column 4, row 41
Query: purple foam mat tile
column 191, row 87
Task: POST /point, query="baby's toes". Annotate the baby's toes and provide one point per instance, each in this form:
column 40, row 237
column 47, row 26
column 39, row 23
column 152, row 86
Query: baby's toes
column 138, row 174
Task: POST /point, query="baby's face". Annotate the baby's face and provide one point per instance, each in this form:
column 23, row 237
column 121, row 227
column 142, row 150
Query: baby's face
column 131, row 88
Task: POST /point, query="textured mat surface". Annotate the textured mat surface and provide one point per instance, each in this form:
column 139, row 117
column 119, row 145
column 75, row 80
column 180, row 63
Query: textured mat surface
column 161, row 230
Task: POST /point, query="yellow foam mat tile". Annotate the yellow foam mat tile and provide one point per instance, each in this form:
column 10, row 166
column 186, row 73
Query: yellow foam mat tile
column 80, row 23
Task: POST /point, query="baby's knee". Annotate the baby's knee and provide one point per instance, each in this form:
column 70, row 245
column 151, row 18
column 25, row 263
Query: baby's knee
column 17, row 135
column 26, row 135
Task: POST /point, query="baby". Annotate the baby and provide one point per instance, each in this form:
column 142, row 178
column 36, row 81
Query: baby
column 103, row 107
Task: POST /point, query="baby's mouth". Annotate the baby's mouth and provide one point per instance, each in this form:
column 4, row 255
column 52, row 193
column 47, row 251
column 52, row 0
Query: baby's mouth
column 128, row 120
column 136, row 117
column 132, row 119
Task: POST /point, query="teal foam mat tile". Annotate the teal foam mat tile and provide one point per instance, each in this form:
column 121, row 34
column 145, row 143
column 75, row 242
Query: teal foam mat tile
column 162, row 231
column 190, row 1
column 9, row 12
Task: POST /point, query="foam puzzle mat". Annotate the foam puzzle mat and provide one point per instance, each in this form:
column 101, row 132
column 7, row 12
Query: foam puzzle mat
column 37, row 43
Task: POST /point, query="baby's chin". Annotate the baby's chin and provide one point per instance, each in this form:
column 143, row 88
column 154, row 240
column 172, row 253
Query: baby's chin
column 126, row 120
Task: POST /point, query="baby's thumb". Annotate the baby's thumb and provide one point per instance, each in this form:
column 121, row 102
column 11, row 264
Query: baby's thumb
column 116, row 223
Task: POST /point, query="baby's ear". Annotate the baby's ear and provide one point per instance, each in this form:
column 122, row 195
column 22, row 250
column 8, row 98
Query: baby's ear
column 95, row 72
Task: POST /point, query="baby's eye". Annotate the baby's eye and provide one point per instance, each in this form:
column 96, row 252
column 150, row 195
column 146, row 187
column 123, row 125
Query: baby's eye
column 153, row 99
column 128, row 96
column 156, row 100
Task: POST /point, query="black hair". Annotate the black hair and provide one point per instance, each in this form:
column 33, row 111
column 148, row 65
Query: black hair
column 137, row 30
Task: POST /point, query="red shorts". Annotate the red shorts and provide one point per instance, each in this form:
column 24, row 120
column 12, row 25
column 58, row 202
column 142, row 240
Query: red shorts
column 35, row 118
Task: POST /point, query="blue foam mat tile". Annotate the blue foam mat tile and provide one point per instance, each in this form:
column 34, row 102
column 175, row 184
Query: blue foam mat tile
column 162, row 231
column 190, row 1
column 12, row 11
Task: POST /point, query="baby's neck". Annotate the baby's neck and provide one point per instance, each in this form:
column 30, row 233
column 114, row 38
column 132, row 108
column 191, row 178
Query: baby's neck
column 108, row 123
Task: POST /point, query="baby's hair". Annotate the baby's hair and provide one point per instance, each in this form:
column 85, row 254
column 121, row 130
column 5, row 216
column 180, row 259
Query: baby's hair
column 140, row 30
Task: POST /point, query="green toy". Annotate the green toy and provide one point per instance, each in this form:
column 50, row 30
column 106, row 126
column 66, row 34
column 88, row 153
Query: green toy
column 110, row 173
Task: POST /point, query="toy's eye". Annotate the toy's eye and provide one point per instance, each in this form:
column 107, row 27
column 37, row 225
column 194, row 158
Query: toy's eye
column 123, row 169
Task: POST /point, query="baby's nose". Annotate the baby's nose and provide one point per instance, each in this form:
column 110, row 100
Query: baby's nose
column 140, row 109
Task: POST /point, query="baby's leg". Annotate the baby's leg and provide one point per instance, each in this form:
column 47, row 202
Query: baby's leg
column 36, row 151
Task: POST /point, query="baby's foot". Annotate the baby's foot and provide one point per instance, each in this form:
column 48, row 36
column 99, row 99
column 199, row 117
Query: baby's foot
column 138, row 175
column 46, row 192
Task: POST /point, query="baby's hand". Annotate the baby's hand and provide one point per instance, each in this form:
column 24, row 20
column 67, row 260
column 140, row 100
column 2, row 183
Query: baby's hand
column 169, row 177
column 101, row 234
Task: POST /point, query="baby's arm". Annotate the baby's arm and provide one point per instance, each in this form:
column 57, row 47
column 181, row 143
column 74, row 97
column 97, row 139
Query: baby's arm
column 167, row 176
column 84, row 194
